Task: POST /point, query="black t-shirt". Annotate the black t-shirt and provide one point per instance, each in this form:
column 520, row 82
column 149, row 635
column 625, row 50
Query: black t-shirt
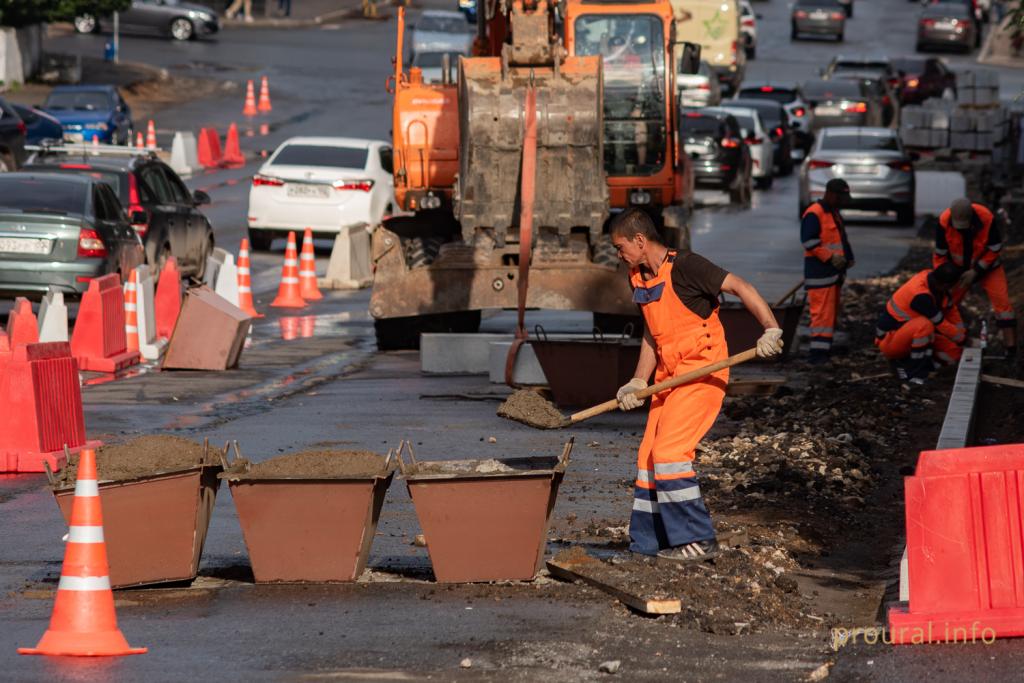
column 697, row 282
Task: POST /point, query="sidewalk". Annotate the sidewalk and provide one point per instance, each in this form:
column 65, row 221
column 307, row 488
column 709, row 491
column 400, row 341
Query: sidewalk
column 305, row 13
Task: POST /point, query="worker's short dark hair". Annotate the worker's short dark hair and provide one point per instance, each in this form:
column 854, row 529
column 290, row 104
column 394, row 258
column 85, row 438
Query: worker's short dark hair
column 947, row 273
column 634, row 221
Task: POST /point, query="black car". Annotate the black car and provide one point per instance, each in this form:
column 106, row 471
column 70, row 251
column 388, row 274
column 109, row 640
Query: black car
column 779, row 128
column 721, row 159
column 879, row 90
column 12, row 138
column 174, row 225
column 924, row 77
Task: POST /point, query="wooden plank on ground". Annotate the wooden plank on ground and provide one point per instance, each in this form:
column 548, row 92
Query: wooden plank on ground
column 583, row 569
column 1003, row 381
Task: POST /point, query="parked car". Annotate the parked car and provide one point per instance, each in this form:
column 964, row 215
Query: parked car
column 748, row 28
column 39, row 125
column 924, row 77
column 817, row 17
column 755, row 135
column 13, row 133
column 700, row 89
column 779, row 130
column 61, row 231
column 871, row 160
column 89, row 112
column 792, row 99
column 441, row 31
column 947, row 26
column 842, row 102
column 721, row 159
column 432, row 65
column 323, row 183
column 164, row 213
column 179, row 20
column 880, row 91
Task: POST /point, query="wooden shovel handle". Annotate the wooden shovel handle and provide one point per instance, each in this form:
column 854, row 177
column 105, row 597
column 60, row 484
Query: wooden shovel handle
column 669, row 383
column 782, row 301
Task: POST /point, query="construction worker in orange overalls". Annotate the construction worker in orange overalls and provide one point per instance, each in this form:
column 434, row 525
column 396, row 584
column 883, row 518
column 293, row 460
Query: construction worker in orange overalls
column 921, row 326
column 678, row 296
column 827, row 257
column 969, row 236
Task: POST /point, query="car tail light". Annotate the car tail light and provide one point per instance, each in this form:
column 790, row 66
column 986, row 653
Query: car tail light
column 734, row 44
column 258, row 180
column 799, row 14
column 901, row 166
column 836, row 16
column 22, row 128
column 725, row 167
column 856, row 108
column 730, row 143
column 913, row 82
column 748, row 22
column 767, row 88
column 364, row 185
column 76, row 167
column 753, row 140
column 134, row 205
column 778, row 132
column 799, row 111
column 818, row 163
column 886, row 101
column 704, row 86
column 90, row 245
column 693, row 115
column 927, row 23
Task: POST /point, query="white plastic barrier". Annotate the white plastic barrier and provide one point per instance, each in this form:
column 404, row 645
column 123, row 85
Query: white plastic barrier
column 150, row 346
column 53, row 317
column 349, row 267
column 226, row 283
column 185, row 154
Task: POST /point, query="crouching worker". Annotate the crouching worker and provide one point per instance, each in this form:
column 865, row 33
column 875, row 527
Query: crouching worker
column 921, row 326
column 678, row 296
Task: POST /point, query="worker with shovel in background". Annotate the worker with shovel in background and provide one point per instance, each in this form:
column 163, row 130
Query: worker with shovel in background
column 678, row 296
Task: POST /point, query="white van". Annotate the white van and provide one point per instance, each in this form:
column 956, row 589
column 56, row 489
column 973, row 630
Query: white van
column 715, row 26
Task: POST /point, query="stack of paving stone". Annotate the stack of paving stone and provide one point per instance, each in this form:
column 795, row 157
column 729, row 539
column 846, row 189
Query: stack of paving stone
column 975, row 122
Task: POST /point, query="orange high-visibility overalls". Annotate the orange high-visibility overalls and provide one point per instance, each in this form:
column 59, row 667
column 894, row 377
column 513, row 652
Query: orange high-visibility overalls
column 668, row 509
column 822, row 280
column 916, row 337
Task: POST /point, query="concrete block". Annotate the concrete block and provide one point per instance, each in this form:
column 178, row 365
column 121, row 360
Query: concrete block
column 527, row 370
column 185, row 154
column 938, row 138
column 961, row 122
column 458, row 354
column 213, row 263
column 150, row 345
column 210, row 333
column 227, row 281
column 961, row 141
column 53, row 317
column 349, row 267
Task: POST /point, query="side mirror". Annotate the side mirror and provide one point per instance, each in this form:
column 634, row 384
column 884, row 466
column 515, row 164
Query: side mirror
column 200, row 198
column 689, row 59
column 138, row 218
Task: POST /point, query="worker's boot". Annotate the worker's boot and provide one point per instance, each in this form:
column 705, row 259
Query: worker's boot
column 691, row 552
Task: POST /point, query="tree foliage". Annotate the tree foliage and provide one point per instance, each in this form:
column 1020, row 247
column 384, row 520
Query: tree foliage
column 25, row 12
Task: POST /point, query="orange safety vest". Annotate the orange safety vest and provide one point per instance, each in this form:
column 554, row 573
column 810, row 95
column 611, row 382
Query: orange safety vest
column 818, row 272
column 898, row 305
column 981, row 251
column 683, row 340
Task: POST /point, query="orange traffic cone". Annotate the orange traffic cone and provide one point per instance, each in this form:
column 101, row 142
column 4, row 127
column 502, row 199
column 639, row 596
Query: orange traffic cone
column 307, row 269
column 84, row 622
column 264, row 105
column 151, row 134
column 131, row 311
column 232, row 157
column 288, row 295
column 250, row 101
column 245, row 301
column 139, row 142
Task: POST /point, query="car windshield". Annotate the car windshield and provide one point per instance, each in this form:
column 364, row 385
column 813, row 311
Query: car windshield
column 698, row 124
column 771, row 114
column 860, row 142
column 946, row 9
column 820, row 90
column 116, row 179
column 823, row 4
column 433, row 60
column 87, row 101
column 871, row 67
column 632, row 46
column 443, row 24
column 746, row 122
column 320, row 155
column 909, row 66
column 42, row 195
column 767, row 92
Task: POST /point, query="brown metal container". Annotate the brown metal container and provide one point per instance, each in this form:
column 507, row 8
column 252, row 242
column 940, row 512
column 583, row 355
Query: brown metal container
column 308, row 530
column 154, row 526
column 742, row 330
column 581, row 372
column 486, row 526
column 209, row 334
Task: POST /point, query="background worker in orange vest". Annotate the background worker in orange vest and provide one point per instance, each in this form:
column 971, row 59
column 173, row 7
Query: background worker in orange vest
column 678, row 297
column 827, row 257
column 921, row 325
column 969, row 236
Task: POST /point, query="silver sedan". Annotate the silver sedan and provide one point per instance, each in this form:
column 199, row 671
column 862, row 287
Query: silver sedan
column 872, row 160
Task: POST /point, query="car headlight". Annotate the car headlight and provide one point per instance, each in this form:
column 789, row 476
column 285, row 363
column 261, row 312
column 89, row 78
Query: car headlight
column 96, row 126
column 201, row 16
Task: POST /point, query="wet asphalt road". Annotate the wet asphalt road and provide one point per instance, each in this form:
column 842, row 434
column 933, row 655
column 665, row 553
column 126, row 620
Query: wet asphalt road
column 332, row 390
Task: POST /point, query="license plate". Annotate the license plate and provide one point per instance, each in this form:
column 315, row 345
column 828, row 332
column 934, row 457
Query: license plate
column 25, row 245
column 819, row 15
column 857, row 169
column 826, row 111
column 317, row 191
column 944, row 25
column 74, row 137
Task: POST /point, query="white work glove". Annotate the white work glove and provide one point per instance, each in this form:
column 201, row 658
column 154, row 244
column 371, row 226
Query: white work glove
column 626, row 396
column 770, row 343
column 838, row 261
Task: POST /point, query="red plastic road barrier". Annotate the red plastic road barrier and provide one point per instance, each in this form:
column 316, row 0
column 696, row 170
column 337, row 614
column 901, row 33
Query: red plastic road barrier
column 167, row 300
column 22, row 327
column 98, row 341
column 232, row 150
column 965, row 514
column 42, row 408
column 209, row 148
column 5, row 351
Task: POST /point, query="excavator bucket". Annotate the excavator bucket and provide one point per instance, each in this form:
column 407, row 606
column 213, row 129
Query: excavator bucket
column 571, row 189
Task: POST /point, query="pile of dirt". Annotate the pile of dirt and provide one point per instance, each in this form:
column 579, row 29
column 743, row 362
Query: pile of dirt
column 530, row 408
column 313, row 465
column 140, row 457
column 490, row 466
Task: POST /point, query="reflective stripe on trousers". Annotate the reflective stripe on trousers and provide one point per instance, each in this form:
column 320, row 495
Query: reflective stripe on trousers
column 674, row 514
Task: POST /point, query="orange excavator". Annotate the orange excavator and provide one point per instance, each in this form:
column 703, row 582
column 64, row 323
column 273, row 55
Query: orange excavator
column 509, row 167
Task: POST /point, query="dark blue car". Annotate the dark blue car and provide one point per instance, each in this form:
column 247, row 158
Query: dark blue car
column 91, row 111
column 38, row 124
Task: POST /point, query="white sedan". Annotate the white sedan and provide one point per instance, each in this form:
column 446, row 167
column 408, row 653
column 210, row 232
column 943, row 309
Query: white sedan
column 755, row 134
column 320, row 183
